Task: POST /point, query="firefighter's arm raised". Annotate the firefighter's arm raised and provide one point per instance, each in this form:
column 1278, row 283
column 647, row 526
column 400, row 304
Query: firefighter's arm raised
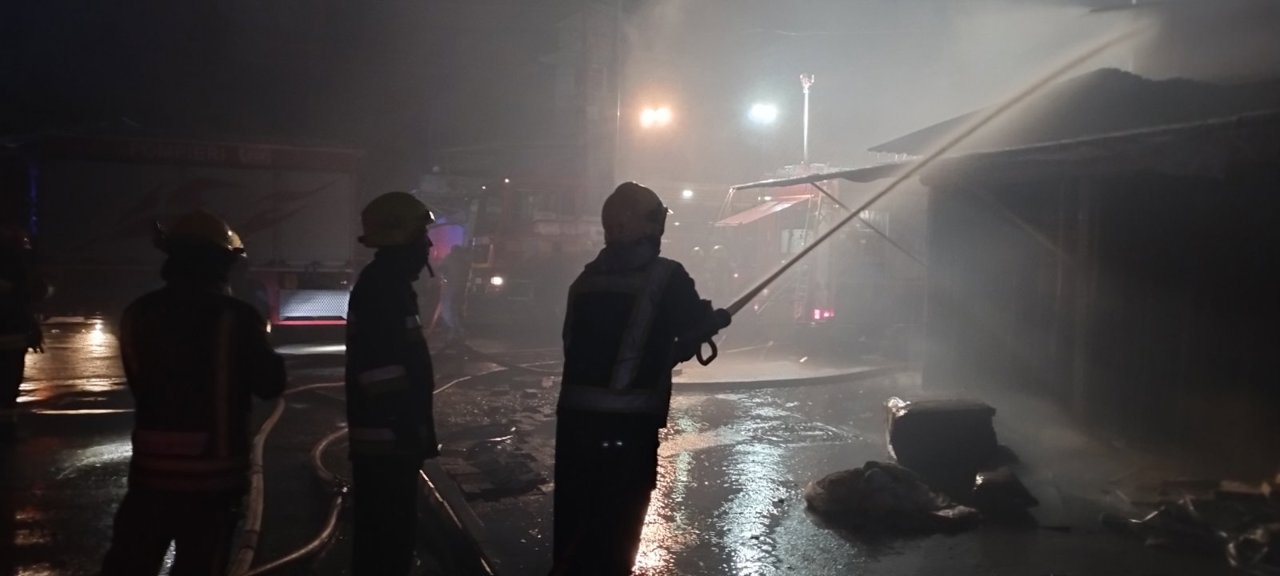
column 694, row 320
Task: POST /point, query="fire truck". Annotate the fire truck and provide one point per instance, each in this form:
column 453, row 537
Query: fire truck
column 91, row 204
column 522, row 257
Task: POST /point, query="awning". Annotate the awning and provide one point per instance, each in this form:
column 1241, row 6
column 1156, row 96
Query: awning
column 760, row 211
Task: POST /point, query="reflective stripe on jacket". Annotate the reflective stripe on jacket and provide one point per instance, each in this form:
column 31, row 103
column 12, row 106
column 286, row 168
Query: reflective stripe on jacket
column 389, row 378
column 624, row 313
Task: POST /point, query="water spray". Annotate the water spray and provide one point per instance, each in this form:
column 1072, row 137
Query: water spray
column 921, row 164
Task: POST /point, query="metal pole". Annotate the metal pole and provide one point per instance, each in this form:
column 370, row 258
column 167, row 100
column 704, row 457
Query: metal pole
column 617, row 89
column 806, row 80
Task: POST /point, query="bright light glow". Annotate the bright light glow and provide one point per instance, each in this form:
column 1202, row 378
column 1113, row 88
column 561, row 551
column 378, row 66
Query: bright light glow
column 655, row 117
column 687, row 194
column 497, row 280
column 763, row 113
column 506, row 180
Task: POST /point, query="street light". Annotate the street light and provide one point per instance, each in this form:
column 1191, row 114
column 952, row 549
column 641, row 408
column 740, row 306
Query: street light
column 763, row 113
column 655, row 117
column 686, row 194
column 806, row 80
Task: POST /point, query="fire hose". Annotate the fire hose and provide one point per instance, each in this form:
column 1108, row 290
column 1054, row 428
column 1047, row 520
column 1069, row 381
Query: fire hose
column 243, row 561
column 915, row 168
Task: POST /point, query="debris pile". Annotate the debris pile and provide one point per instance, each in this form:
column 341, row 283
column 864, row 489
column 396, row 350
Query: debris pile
column 885, row 496
column 948, row 475
column 1239, row 520
column 947, row 442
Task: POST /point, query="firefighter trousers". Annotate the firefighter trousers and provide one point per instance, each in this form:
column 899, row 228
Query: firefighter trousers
column 200, row 525
column 385, row 493
column 12, row 363
column 603, row 481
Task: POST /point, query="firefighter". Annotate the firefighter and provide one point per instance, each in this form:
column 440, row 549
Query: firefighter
column 19, row 326
column 193, row 356
column 631, row 317
column 389, row 383
column 455, row 274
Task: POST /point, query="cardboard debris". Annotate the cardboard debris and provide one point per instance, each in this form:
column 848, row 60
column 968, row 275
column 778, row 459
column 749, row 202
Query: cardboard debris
column 1234, row 490
column 1238, row 518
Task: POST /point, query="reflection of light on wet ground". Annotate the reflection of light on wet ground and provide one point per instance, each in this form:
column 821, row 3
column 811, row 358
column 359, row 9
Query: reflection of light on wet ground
column 97, row 337
column 82, row 411
column 33, row 390
column 33, row 536
column 117, row 451
column 749, row 512
column 667, row 529
column 30, row 537
column 81, row 358
column 42, row 569
column 309, row 349
column 28, row 514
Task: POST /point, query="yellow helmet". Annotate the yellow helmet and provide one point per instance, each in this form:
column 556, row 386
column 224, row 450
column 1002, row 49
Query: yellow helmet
column 633, row 212
column 198, row 229
column 394, row 219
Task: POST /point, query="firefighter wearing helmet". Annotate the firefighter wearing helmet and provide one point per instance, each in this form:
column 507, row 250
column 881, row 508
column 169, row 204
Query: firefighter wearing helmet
column 19, row 326
column 389, row 384
column 193, row 358
column 632, row 316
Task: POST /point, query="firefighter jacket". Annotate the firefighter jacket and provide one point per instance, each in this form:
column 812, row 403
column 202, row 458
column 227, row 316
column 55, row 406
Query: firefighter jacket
column 389, row 379
column 193, row 357
column 625, row 312
column 19, row 326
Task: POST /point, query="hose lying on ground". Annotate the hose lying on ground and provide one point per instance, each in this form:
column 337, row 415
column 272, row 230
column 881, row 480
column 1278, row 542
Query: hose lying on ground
column 335, row 508
column 253, row 513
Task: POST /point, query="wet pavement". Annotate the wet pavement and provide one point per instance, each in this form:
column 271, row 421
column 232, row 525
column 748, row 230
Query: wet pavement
column 65, row 471
column 734, row 461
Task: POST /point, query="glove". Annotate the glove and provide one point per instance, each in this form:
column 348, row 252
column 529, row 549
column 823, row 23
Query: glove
column 722, row 318
column 686, row 349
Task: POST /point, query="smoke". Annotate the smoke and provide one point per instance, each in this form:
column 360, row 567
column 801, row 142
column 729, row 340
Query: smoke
column 883, row 68
column 1225, row 41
